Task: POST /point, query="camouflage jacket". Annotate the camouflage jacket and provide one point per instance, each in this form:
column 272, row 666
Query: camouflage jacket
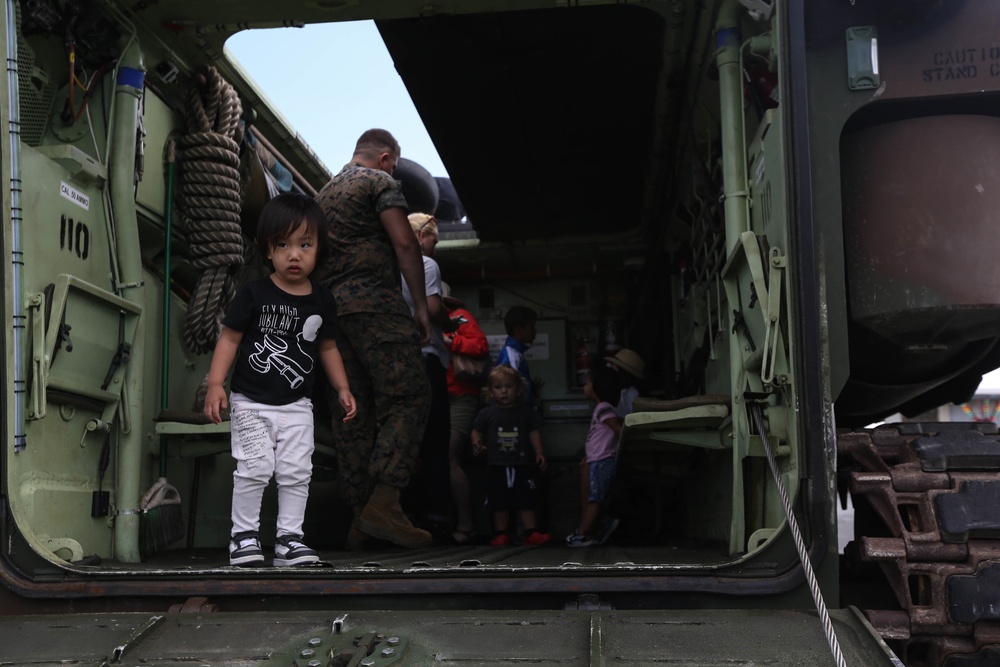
column 362, row 270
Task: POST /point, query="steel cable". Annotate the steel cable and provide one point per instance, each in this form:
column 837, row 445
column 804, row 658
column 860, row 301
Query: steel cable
column 817, row 595
column 210, row 197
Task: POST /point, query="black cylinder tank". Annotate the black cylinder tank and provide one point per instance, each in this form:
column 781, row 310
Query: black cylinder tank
column 449, row 205
column 419, row 187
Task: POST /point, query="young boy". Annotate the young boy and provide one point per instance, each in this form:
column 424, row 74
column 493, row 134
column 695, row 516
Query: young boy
column 520, row 325
column 603, row 386
column 509, row 432
column 274, row 329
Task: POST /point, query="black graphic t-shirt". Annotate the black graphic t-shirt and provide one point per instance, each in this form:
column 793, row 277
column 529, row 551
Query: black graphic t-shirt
column 279, row 354
column 505, row 431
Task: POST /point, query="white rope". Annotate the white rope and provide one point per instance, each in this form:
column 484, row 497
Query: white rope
column 817, row 595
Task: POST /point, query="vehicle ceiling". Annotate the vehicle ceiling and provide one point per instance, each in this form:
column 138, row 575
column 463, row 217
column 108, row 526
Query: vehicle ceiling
column 544, row 119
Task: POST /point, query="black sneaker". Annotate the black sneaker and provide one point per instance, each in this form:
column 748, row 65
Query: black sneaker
column 289, row 550
column 244, row 549
column 610, row 524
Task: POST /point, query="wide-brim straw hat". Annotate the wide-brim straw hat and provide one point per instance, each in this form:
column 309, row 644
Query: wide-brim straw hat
column 630, row 361
column 449, row 300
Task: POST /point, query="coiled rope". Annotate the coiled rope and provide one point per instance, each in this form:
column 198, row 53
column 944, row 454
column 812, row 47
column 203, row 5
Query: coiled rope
column 757, row 415
column 210, row 193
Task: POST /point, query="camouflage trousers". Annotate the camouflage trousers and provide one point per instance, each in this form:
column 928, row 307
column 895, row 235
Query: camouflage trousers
column 386, row 371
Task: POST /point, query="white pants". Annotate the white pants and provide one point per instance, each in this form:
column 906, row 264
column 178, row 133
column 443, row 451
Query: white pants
column 271, row 440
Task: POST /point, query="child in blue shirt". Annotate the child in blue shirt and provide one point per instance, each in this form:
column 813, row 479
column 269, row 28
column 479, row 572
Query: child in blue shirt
column 520, row 325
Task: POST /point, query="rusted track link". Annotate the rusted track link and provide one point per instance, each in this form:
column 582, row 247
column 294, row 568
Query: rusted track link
column 936, row 487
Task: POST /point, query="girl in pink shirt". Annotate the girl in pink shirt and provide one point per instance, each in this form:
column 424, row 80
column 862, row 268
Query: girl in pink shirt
column 602, row 446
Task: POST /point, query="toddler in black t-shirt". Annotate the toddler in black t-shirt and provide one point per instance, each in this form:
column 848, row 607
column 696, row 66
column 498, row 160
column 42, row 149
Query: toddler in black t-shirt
column 276, row 329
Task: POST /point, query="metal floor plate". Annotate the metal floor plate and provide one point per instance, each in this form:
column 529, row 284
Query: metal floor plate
column 433, row 637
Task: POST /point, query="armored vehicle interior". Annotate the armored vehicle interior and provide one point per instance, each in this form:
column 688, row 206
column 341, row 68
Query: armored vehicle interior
column 632, row 172
column 599, row 208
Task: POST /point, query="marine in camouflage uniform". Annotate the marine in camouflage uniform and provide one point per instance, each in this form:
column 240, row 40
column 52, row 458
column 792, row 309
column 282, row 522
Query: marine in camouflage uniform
column 380, row 346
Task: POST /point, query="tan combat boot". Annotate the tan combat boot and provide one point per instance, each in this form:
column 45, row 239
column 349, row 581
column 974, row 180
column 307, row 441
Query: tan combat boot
column 359, row 541
column 383, row 518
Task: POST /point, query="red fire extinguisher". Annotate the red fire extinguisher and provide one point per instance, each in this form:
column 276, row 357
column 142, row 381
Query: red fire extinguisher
column 762, row 85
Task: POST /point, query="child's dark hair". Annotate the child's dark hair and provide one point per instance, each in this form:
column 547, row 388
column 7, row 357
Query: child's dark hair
column 518, row 316
column 282, row 216
column 606, row 384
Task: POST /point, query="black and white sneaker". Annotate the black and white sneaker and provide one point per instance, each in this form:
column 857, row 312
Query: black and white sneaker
column 578, row 540
column 289, row 550
column 244, row 549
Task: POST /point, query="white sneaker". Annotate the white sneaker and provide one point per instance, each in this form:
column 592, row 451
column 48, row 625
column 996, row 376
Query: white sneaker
column 244, row 549
column 289, row 550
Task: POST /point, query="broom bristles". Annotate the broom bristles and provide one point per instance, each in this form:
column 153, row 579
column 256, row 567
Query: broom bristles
column 161, row 526
column 162, row 522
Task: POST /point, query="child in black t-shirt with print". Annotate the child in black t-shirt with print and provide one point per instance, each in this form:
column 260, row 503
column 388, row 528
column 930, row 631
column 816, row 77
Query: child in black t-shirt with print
column 276, row 329
column 508, row 431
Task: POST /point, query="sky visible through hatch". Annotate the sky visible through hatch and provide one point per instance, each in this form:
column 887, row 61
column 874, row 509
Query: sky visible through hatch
column 332, row 82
